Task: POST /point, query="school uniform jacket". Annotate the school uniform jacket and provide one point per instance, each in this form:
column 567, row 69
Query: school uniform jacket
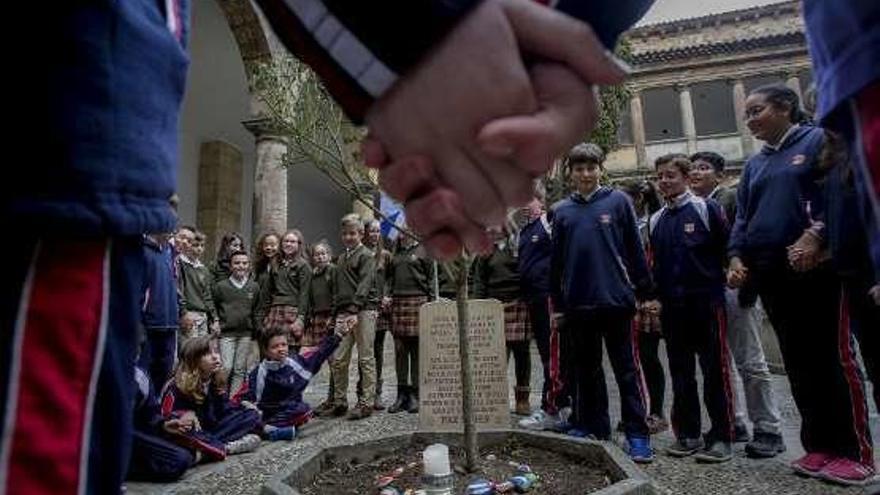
column 290, row 281
column 409, row 273
column 778, row 198
column 535, row 251
column 160, row 304
column 496, row 275
column 598, row 259
column 277, row 387
column 688, row 242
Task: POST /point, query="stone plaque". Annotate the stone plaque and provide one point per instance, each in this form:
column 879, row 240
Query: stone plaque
column 440, row 367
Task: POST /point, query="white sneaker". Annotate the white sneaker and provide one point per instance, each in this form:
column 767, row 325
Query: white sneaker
column 247, row 443
column 541, row 421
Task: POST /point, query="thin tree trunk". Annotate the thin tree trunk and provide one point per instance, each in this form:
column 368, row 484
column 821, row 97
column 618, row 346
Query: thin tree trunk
column 467, row 388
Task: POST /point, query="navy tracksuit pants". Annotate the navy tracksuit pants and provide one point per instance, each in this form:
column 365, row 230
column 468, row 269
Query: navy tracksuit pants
column 697, row 330
column 585, row 331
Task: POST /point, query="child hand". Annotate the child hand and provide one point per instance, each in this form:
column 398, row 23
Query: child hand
column 803, row 255
column 345, row 324
column 250, row 405
column 737, row 273
column 187, row 322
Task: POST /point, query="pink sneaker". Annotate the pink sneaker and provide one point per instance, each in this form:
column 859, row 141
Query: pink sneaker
column 847, row 472
column 812, row 463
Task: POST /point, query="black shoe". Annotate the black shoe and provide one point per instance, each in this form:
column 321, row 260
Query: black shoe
column 715, row 453
column 684, row 447
column 765, row 445
column 339, row 410
column 401, row 403
column 413, row 406
column 360, row 411
column 741, row 433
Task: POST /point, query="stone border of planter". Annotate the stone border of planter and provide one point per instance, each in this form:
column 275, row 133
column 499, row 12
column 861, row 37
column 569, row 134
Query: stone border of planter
column 629, row 479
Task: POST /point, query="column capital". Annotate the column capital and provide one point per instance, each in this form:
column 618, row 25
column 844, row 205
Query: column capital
column 263, row 127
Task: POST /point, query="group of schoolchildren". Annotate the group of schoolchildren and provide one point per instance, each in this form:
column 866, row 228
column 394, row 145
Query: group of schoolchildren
column 602, row 266
column 697, row 271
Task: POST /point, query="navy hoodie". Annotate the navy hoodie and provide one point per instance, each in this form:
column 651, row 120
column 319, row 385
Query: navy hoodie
column 688, row 241
column 778, row 198
column 160, row 308
column 598, row 259
column 535, row 250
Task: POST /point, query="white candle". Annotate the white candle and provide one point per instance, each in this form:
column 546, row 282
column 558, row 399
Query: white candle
column 436, row 458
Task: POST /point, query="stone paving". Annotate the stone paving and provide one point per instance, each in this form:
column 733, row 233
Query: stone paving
column 246, row 473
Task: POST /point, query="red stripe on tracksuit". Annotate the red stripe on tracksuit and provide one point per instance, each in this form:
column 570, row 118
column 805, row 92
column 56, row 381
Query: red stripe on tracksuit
column 556, row 384
column 854, row 382
column 868, row 115
column 640, row 379
column 62, row 334
column 721, row 321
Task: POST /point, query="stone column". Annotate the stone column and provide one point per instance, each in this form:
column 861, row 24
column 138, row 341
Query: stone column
column 739, row 110
column 688, row 125
column 219, row 206
column 270, row 178
column 638, row 129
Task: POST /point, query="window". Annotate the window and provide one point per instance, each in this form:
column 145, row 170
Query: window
column 662, row 114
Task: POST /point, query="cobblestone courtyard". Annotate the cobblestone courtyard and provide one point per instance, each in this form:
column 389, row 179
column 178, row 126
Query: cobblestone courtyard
column 245, row 474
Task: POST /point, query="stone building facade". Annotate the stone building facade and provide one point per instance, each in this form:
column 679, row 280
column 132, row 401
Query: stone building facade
column 691, row 77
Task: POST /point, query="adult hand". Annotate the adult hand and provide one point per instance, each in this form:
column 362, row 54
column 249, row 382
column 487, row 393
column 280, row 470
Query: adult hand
column 737, row 273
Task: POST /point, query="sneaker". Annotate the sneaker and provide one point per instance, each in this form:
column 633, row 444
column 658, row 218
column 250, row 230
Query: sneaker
column 811, row 464
column 741, row 433
column 540, row 421
column 639, row 449
column 360, row 411
column 247, row 443
column 281, row 433
column 684, row 447
column 324, row 408
column 577, row 432
column 765, row 445
column 657, row 424
column 716, row 452
column 847, row 472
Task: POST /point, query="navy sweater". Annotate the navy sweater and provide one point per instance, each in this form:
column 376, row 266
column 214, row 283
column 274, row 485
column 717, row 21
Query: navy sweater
column 776, row 192
column 160, row 310
column 276, row 387
column 598, row 259
column 535, row 251
column 688, row 240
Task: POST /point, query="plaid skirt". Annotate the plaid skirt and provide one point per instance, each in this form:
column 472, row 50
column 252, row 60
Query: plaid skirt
column 405, row 315
column 517, row 326
column 283, row 316
column 317, row 329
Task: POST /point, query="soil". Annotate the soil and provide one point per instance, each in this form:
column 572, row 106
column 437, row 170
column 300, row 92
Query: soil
column 559, row 474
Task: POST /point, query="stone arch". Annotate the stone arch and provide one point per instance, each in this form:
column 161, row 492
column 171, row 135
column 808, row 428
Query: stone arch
column 249, row 32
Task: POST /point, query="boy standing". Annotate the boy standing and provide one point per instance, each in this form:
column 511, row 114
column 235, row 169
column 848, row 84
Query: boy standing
column 197, row 312
column 742, row 329
column 688, row 240
column 597, row 261
column 352, row 307
column 235, row 298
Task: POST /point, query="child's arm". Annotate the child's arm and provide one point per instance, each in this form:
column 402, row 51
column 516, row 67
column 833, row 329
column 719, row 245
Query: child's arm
column 312, row 361
column 557, row 263
column 636, row 263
